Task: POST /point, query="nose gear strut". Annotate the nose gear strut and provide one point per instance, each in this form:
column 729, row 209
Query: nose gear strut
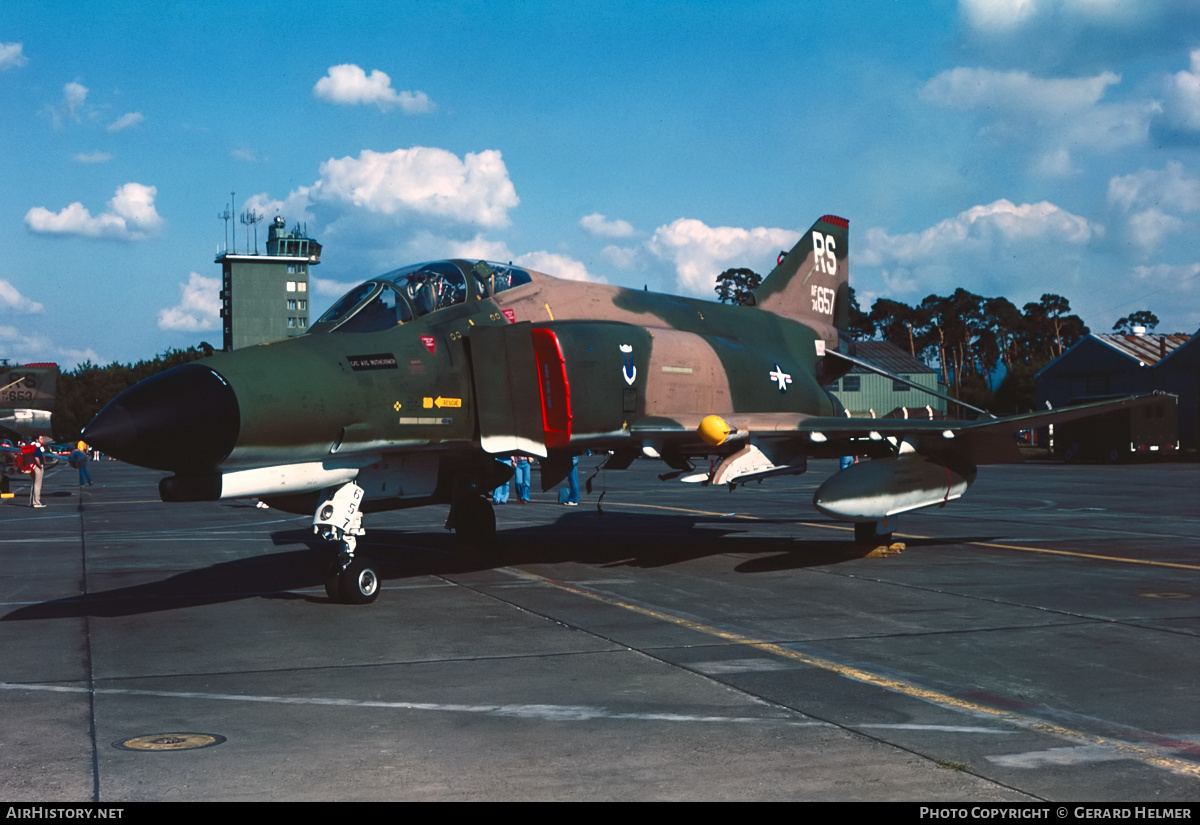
column 352, row 578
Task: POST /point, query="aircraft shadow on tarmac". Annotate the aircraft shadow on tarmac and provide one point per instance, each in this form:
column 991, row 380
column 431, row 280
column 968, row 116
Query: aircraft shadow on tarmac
column 621, row 540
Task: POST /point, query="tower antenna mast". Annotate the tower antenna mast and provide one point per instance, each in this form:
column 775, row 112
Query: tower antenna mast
column 225, row 216
column 251, row 218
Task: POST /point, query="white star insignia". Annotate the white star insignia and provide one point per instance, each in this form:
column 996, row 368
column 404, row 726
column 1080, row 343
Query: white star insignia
column 781, row 378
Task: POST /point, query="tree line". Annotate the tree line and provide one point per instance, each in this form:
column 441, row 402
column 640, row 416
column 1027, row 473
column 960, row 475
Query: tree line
column 83, row 391
column 966, row 337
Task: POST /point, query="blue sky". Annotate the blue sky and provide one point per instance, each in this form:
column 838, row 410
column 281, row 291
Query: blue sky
column 1011, row 147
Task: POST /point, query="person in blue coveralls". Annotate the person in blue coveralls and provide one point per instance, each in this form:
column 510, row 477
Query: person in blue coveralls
column 500, row 494
column 521, row 475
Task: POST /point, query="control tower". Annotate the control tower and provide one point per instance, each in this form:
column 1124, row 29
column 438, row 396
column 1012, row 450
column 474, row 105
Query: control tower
column 265, row 297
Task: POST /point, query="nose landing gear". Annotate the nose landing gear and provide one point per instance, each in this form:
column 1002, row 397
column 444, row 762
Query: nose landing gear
column 352, row 578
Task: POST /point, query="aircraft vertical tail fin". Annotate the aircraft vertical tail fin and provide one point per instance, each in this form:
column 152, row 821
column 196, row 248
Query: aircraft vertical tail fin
column 811, row 283
column 27, row 399
column 28, row 386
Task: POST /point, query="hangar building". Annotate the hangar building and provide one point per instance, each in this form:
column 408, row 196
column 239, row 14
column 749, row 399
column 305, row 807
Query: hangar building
column 1102, row 365
column 862, row 391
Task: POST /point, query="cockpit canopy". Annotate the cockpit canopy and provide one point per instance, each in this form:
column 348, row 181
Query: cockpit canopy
column 400, row 296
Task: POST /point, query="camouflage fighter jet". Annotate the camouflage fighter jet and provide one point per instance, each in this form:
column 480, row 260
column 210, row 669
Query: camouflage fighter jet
column 26, row 408
column 27, row 399
column 405, row 392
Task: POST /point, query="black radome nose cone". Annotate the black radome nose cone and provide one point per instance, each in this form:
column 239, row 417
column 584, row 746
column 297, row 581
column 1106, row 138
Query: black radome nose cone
column 185, row 420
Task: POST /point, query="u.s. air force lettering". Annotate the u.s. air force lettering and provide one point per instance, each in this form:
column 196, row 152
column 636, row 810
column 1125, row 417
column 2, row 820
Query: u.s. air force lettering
column 380, row 361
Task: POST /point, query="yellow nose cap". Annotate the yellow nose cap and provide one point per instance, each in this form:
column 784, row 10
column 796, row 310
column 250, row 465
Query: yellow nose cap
column 713, row 430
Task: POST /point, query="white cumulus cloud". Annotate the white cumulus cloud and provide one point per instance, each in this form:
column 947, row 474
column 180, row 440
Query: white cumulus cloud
column 1076, row 35
column 1108, row 127
column 1054, row 117
column 126, row 121
column 1149, row 228
column 1005, row 16
column 74, row 96
column 11, row 56
column 551, row 263
column 477, row 248
column 294, row 209
column 329, row 288
column 246, row 154
column 1056, row 163
column 700, row 252
column 1181, row 106
column 421, row 181
column 1171, row 188
column 381, row 209
column 20, row 346
column 72, row 105
column 199, row 306
column 1000, row 248
column 560, row 266
column 1174, row 277
column 1178, row 282
column 131, row 216
column 1151, row 201
column 991, row 15
column 598, row 226
column 349, row 85
column 971, row 88
column 11, row 298
column 980, row 227
column 92, row 157
column 622, row 257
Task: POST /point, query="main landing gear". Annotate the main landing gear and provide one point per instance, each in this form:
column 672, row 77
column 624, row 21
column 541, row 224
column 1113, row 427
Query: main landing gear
column 878, row 535
column 352, row 578
column 471, row 518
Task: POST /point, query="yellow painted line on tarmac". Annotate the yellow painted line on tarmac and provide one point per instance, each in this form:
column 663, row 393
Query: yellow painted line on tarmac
column 97, row 502
column 1095, row 556
column 718, row 515
column 1127, row 750
column 679, row 510
column 990, row 545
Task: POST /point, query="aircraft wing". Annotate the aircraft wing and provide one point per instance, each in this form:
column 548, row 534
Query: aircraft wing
column 984, row 441
column 1008, row 424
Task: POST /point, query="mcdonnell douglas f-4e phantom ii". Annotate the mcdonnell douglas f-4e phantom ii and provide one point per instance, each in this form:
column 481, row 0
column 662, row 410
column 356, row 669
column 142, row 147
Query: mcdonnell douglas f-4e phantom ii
column 27, row 399
column 408, row 388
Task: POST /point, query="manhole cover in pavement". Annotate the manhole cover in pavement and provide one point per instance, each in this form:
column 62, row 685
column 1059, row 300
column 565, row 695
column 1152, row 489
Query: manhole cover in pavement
column 169, row 742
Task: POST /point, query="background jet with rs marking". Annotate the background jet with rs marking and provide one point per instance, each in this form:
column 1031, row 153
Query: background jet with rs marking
column 27, row 399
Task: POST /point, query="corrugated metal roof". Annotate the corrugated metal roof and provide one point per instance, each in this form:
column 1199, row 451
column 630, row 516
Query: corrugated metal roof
column 1147, row 349
column 888, row 356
